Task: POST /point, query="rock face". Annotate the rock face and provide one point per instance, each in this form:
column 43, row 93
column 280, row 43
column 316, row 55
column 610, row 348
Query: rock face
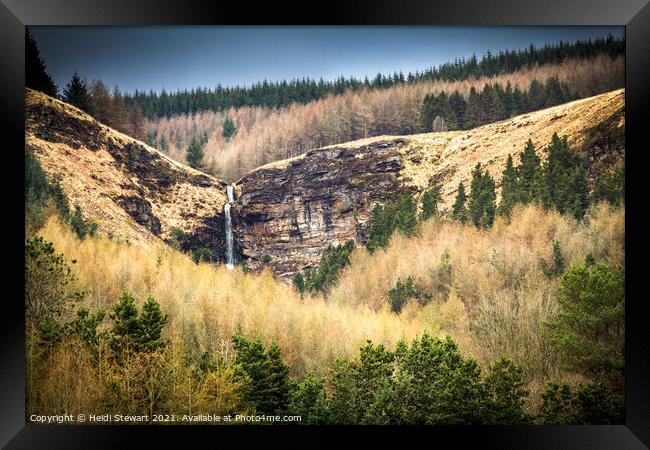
column 292, row 210
column 286, row 213
column 131, row 190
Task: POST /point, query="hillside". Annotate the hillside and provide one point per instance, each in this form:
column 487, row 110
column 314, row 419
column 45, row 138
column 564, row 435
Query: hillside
column 131, row 190
column 269, row 134
column 290, row 210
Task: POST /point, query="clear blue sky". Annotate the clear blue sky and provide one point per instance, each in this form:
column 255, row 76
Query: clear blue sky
column 185, row 57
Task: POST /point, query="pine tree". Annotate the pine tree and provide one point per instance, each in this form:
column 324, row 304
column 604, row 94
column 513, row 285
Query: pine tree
column 459, row 108
column 482, row 198
column 529, row 175
column 509, row 189
column 558, row 176
column 460, row 211
column 229, row 128
column 36, row 76
column 492, row 108
column 473, row 113
column 430, row 199
column 195, row 154
column 76, row 93
column 164, row 146
column 152, row 321
column 268, row 373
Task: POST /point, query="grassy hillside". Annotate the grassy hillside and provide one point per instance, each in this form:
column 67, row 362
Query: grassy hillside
column 131, row 190
column 449, row 157
column 269, row 134
column 498, row 297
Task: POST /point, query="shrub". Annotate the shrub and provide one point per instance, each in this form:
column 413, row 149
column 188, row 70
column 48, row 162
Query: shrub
column 40, row 193
column 202, row 253
column 81, row 227
column 400, row 294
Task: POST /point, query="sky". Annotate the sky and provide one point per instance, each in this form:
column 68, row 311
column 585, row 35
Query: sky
column 176, row 57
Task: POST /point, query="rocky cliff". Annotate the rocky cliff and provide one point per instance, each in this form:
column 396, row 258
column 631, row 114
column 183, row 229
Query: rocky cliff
column 287, row 212
column 131, row 190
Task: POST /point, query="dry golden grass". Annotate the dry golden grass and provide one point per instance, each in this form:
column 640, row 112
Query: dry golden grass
column 208, row 304
column 96, row 179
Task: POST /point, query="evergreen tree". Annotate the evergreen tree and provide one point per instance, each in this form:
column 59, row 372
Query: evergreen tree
column 299, row 282
column 492, row 108
column 268, row 373
column 442, row 277
column 36, row 76
column 556, row 268
column 589, row 337
column 195, row 154
column 398, row 214
column 164, row 146
column 506, row 394
column 590, row 329
column 132, row 331
column 482, row 199
column 152, row 321
column 430, row 199
column 610, row 187
column 308, row 401
column 580, row 191
column 473, row 113
column 529, row 174
column 459, row 107
column 536, row 95
column 333, row 260
column 355, row 382
column 509, row 189
column 126, row 325
column 76, row 93
column 101, row 103
column 400, row 294
column 460, row 212
column 229, row 128
column 565, row 179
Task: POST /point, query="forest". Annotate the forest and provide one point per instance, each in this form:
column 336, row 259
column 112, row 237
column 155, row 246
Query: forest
column 283, row 93
column 508, row 310
column 521, row 303
column 237, row 138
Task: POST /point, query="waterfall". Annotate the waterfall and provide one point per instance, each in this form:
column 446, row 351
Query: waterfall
column 230, row 242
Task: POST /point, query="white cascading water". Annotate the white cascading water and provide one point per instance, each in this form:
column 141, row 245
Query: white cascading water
column 230, row 243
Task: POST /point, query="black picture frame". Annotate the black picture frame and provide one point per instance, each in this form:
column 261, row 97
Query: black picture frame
column 633, row 14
